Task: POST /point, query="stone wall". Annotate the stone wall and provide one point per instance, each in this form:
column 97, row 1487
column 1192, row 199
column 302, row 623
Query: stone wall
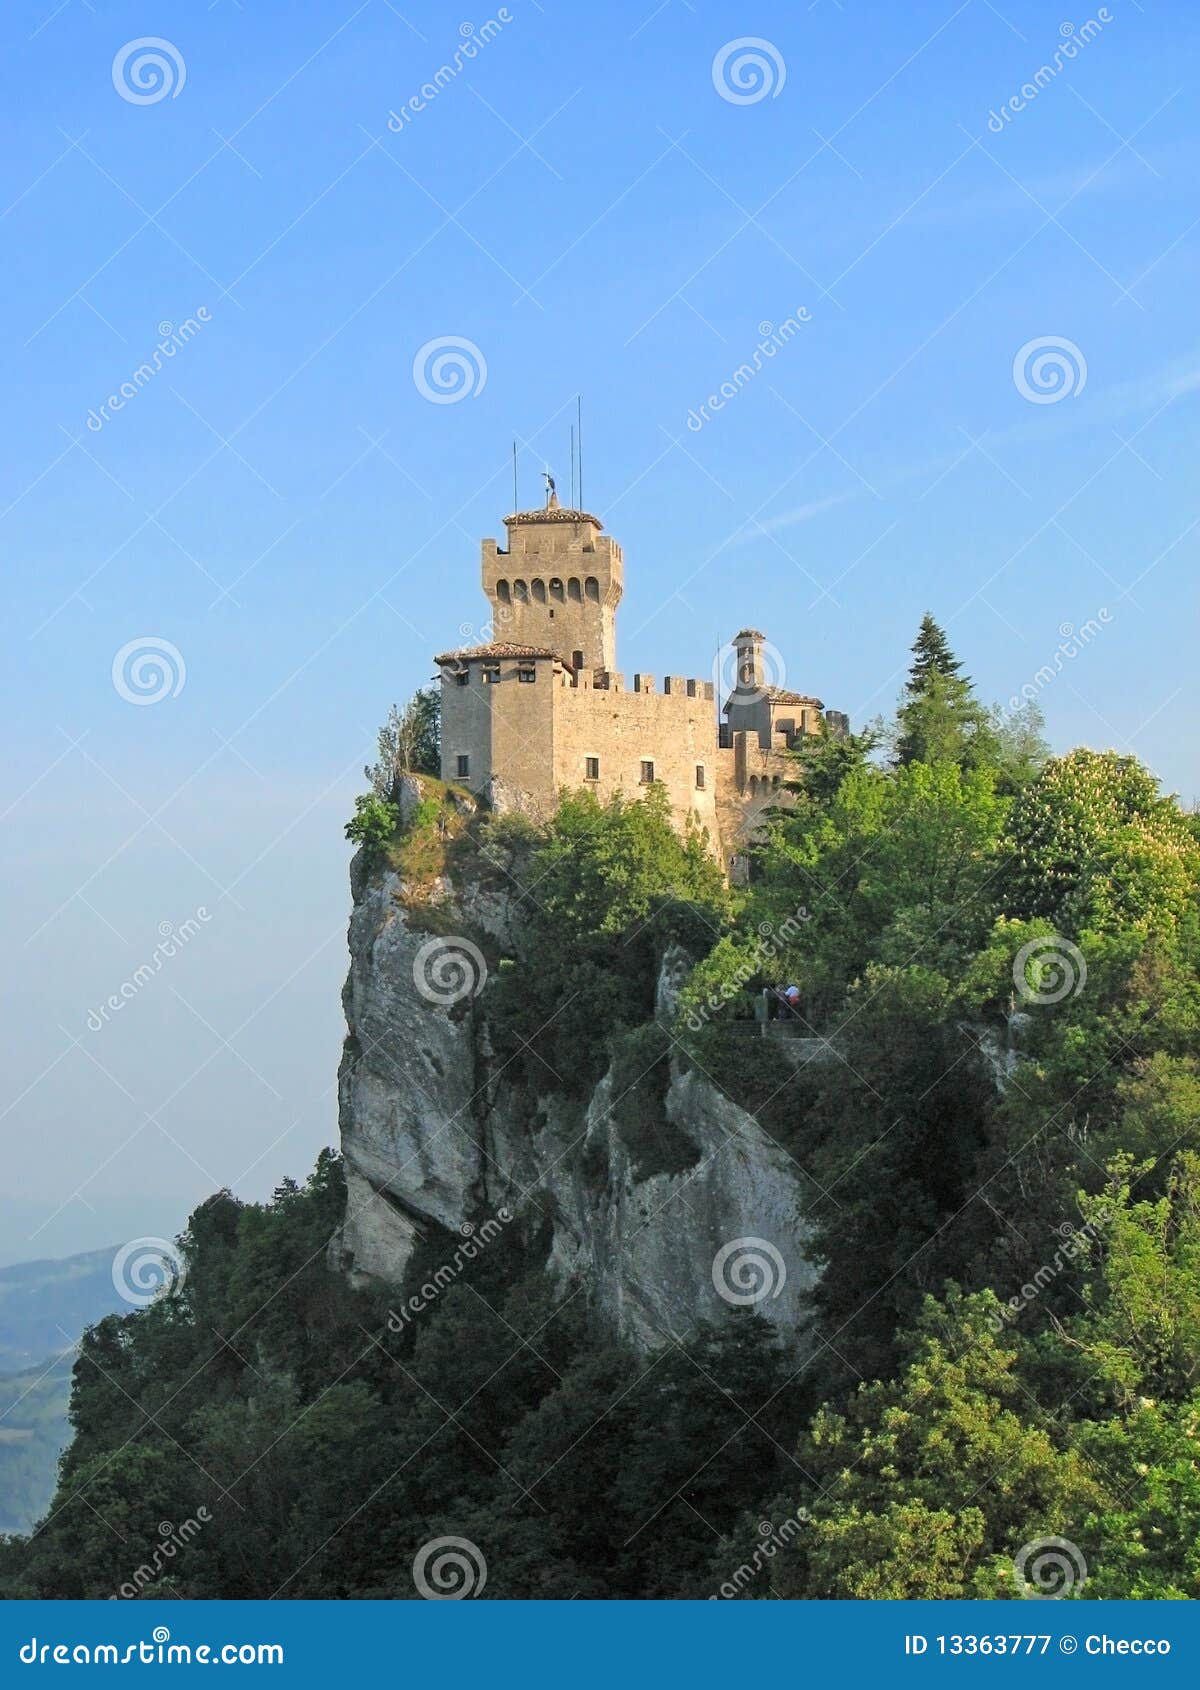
column 526, row 741
column 675, row 730
column 505, row 727
column 558, row 584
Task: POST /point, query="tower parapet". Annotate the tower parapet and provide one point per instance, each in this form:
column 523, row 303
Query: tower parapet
column 558, row 583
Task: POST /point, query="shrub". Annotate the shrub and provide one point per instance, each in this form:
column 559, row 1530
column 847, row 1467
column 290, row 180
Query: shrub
column 374, row 823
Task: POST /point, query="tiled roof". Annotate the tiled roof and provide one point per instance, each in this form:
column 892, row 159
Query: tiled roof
column 779, row 695
column 499, row 649
column 552, row 513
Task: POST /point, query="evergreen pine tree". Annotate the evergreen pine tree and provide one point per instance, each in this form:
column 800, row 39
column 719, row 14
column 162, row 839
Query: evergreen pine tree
column 931, row 655
column 940, row 719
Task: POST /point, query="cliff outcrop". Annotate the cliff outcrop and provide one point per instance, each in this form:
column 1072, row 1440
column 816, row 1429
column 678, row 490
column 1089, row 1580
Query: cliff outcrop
column 442, row 1142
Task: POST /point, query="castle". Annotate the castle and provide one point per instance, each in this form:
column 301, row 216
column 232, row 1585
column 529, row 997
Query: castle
column 546, row 708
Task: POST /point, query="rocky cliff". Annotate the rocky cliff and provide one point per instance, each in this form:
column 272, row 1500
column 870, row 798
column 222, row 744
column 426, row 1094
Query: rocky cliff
column 439, row 1140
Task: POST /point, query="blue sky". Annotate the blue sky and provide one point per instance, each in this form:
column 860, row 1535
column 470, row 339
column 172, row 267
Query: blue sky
column 284, row 506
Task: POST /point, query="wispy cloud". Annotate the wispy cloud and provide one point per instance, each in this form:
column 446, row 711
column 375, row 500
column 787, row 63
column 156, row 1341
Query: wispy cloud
column 1000, row 197
column 1138, row 397
column 798, row 514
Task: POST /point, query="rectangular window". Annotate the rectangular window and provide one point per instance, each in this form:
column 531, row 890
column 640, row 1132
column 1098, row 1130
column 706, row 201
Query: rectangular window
column 527, row 675
column 699, row 777
column 462, row 677
column 647, row 773
column 463, row 764
column 591, row 768
column 491, row 672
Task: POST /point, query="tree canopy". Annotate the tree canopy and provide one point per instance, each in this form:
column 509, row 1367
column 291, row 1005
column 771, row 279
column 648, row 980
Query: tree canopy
column 998, row 1162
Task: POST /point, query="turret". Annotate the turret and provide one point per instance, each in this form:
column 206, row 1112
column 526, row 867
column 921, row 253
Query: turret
column 557, row 584
column 748, row 646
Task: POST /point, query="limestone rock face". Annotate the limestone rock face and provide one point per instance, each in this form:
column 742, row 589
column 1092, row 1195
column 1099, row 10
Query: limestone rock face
column 435, row 1136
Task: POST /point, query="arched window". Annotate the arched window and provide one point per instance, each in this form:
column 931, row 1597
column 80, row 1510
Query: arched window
column 556, row 590
column 502, row 592
column 520, row 592
column 573, row 590
column 539, row 591
column 592, row 588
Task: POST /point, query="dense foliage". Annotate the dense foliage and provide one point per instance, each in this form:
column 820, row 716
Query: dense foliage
column 1001, row 1155
column 599, row 896
column 293, row 1433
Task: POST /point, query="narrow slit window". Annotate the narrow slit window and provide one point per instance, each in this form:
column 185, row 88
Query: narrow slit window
column 647, row 773
column 699, row 777
column 462, row 764
column 591, row 768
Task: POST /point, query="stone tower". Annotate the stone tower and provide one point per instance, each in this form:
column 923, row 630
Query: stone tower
column 748, row 645
column 556, row 585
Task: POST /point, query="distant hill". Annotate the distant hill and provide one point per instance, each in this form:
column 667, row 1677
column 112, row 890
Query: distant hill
column 33, row 1432
column 44, row 1306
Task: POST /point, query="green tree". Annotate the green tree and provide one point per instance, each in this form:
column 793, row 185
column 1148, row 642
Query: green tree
column 931, row 656
column 609, row 887
column 929, row 1485
column 824, row 760
column 373, row 824
column 410, row 743
column 940, row 719
column 1094, row 844
column 889, row 1131
column 1021, row 749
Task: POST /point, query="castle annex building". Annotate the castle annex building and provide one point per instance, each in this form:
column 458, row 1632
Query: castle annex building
column 546, row 706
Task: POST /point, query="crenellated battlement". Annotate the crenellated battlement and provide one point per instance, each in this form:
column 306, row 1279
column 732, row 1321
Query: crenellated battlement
column 558, row 582
column 545, row 709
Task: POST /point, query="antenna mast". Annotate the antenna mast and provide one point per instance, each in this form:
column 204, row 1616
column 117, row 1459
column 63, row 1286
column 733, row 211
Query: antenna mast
column 515, row 504
column 579, row 447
